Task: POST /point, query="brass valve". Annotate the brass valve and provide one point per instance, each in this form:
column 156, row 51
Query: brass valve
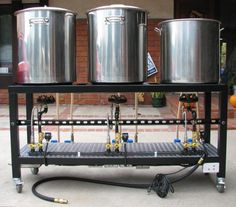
column 118, row 137
column 108, row 146
column 117, row 147
column 32, row 146
column 185, row 145
column 40, row 146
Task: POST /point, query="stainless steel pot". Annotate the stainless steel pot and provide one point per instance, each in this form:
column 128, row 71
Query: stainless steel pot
column 190, row 50
column 46, row 45
column 117, row 44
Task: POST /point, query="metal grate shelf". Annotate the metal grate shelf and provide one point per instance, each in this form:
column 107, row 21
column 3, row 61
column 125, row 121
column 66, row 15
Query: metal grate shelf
column 137, row 153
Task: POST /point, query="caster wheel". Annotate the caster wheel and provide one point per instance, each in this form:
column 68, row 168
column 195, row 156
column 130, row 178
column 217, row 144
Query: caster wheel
column 19, row 188
column 35, row 170
column 220, row 188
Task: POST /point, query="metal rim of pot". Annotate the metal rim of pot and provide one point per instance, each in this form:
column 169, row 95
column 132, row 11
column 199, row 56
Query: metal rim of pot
column 45, row 8
column 158, row 30
column 117, row 6
column 188, row 19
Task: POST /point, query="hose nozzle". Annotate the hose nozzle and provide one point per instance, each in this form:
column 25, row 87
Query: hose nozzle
column 60, row 200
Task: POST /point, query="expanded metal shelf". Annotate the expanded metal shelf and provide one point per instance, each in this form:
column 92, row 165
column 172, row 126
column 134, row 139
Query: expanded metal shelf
column 163, row 153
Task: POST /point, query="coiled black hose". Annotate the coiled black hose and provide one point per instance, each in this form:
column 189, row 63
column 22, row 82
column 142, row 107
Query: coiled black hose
column 161, row 184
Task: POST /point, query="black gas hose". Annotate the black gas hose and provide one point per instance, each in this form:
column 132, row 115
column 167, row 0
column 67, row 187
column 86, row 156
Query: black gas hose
column 161, row 184
column 64, row 201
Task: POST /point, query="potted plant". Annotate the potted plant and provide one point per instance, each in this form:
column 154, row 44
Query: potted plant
column 232, row 83
column 158, row 99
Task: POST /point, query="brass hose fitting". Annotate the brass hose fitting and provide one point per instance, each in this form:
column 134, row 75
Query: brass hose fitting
column 200, row 161
column 60, row 200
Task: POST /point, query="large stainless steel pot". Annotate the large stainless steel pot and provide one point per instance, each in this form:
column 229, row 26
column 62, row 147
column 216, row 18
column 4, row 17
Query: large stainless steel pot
column 117, row 44
column 46, row 45
column 190, row 50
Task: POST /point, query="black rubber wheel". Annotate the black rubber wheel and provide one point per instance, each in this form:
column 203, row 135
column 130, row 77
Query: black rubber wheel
column 220, row 188
column 19, row 188
column 35, row 170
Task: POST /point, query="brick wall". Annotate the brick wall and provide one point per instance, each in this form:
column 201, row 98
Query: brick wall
column 82, row 65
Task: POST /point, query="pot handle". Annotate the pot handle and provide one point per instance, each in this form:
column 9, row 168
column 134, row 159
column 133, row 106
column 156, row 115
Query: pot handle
column 39, row 20
column 115, row 19
column 157, row 30
column 221, row 29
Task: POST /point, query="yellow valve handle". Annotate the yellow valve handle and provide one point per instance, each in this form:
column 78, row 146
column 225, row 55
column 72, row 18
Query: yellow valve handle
column 108, row 146
column 32, row 146
column 40, row 145
column 186, row 145
column 195, row 144
column 117, row 145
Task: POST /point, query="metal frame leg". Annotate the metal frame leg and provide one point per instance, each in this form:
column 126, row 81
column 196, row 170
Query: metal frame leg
column 222, row 139
column 15, row 147
column 222, row 131
column 207, row 126
column 29, row 106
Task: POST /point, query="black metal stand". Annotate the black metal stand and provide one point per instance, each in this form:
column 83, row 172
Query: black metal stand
column 154, row 154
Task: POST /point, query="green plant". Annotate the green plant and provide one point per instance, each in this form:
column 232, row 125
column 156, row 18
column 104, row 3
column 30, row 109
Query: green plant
column 158, row 99
column 232, row 80
column 157, row 95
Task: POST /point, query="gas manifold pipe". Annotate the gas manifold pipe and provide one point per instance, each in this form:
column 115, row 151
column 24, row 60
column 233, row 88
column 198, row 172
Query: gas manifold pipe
column 136, row 117
column 32, row 138
column 185, row 127
column 71, row 115
column 108, row 143
column 57, row 115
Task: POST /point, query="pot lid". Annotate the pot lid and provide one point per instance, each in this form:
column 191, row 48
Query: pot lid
column 45, row 8
column 117, row 6
column 189, row 19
